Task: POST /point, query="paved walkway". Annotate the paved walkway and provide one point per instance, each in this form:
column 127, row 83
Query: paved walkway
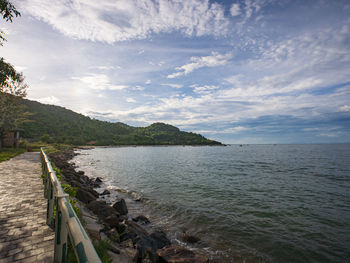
column 24, row 235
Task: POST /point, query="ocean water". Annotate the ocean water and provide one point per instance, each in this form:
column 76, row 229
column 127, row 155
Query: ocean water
column 255, row 203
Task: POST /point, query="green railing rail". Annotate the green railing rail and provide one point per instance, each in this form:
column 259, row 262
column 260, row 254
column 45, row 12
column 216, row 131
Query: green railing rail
column 66, row 221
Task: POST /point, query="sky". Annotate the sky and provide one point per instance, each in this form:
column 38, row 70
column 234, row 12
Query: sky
column 250, row 71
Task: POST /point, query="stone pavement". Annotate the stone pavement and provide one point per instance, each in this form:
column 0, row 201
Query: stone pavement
column 24, row 235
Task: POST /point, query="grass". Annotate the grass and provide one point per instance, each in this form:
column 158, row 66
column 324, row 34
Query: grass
column 8, row 153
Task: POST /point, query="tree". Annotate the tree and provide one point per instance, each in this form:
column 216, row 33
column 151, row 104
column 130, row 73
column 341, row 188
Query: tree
column 12, row 86
column 8, row 11
column 12, row 90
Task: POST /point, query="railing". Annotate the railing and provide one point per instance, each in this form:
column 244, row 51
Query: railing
column 66, row 221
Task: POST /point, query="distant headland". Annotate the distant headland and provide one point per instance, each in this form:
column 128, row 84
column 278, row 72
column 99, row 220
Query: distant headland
column 55, row 124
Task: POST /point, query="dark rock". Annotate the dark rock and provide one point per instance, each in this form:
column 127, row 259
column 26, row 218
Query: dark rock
column 93, row 192
column 148, row 245
column 129, row 235
column 106, row 192
column 141, row 219
column 135, row 228
column 123, row 218
column 114, row 248
column 101, row 209
column 121, row 228
column 80, row 173
column 112, row 220
column 120, row 207
column 113, row 234
column 160, row 239
column 75, row 183
column 98, row 180
column 178, row 254
column 85, row 196
column 189, row 238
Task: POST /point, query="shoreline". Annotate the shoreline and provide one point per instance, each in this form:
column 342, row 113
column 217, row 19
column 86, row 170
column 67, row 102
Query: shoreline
column 134, row 237
column 88, row 147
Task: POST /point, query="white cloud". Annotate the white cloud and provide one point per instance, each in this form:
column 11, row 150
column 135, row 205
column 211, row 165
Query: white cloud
column 99, row 82
column 204, row 89
column 110, row 21
column 252, row 6
column 214, row 60
column 49, row 100
column 105, row 67
column 345, row 108
column 329, row 135
column 148, row 81
column 130, row 100
column 237, row 129
column 235, row 10
column 173, row 85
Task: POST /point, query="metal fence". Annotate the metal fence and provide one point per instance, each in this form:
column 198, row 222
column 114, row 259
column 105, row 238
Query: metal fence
column 65, row 221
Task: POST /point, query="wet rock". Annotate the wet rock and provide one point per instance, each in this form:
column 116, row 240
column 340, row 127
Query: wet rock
column 121, row 228
column 85, row 196
column 141, row 219
column 148, row 245
column 160, row 239
column 101, row 209
column 120, row 207
column 112, row 234
column 114, row 248
column 98, row 180
column 93, row 192
column 123, row 218
column 135, row 228
column 112, row 220
column 178, row 254
column 189, row 238
column 106, row 192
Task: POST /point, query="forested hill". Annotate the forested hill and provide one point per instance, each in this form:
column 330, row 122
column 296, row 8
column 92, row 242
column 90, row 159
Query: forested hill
column 56, row 124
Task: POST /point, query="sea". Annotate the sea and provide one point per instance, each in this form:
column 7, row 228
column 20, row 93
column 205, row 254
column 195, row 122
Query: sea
column 245, row 203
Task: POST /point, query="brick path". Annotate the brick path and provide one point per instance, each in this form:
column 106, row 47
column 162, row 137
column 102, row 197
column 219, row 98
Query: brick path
column 24, row 235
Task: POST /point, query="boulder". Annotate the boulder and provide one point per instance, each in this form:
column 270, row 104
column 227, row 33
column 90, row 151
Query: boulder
column 189, row 238
column 85, row 196
column 121, row 228
column 120, row 207
column 106, row 192
column 101, row 209
column 160, row 239
column 93, row 192
column 178, row 254
column 148, row 245
column 98, row 180
column 135, row 228
column 141, row 219
column 112, row 220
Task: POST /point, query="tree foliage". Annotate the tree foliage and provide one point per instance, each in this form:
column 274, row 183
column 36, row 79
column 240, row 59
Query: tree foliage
column 56, row 124
column 12, row 86
column 8, row 11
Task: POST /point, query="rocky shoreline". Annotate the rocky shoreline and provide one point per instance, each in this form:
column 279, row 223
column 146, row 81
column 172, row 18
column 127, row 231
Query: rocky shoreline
column 131, row 241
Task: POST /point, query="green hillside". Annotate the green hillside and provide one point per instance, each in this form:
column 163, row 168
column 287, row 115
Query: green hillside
column 57, row 124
